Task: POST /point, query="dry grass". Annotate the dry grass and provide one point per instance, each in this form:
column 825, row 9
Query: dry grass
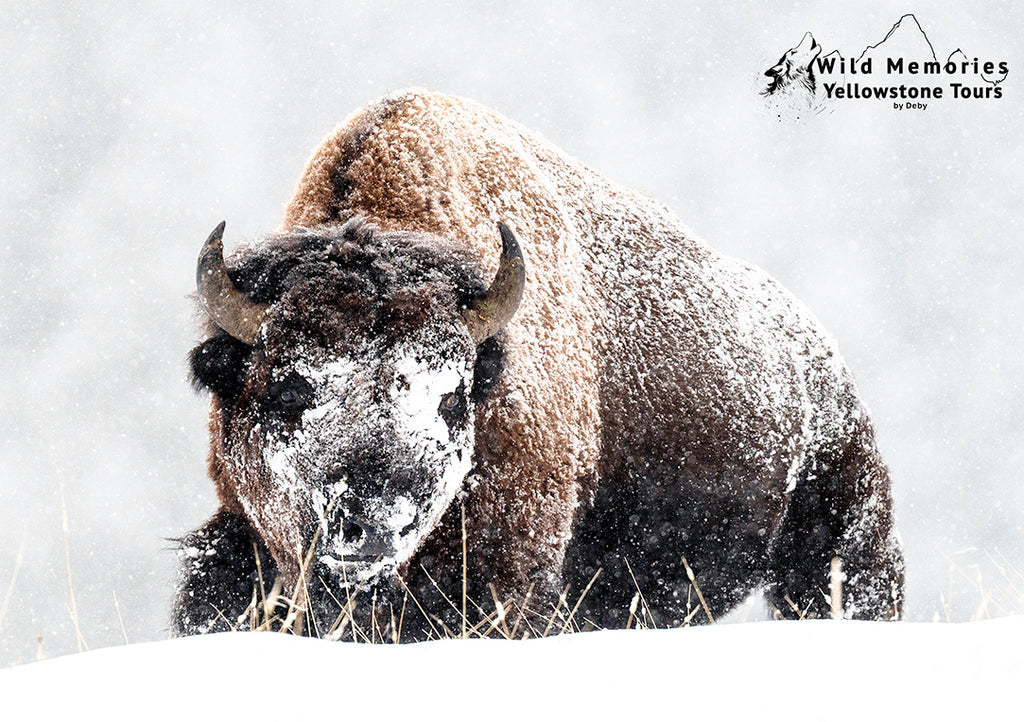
column 984, row 580
column 71, row 585
column 973, row 578
column 9, row 594
column 499, row 619
column 496, row 618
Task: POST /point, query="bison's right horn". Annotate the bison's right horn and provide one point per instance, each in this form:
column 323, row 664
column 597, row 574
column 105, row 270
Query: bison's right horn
column 489, row 314
column 230, row 308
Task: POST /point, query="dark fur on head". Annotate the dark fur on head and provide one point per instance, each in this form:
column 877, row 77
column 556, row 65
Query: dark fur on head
column 376, row 282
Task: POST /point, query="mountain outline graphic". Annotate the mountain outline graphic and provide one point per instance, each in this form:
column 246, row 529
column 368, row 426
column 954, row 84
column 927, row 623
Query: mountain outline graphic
column 795, row 77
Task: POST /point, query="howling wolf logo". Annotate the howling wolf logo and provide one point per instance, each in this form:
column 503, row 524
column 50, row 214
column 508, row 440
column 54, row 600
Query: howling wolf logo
column 792, row 91
column 793, row 74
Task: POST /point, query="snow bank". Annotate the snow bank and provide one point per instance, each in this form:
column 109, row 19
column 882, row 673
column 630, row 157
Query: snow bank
column 819, row 670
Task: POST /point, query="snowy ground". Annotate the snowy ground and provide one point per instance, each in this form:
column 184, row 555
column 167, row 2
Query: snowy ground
column 820, row 670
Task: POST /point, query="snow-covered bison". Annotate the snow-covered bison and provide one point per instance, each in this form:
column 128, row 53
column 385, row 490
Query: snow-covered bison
column 399, row 410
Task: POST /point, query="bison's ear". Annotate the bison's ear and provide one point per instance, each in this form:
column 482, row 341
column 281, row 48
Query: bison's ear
column 490, row 361
column 218, row 365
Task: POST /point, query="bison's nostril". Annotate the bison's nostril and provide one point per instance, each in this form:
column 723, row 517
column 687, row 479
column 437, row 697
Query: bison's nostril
column 410, row 526
column 351, row 531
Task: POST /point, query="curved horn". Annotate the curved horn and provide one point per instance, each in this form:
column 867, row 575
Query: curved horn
column 489, row 314
column 228, row 307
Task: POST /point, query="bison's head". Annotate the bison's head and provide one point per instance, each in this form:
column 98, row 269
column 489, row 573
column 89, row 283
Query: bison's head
column 345, row 365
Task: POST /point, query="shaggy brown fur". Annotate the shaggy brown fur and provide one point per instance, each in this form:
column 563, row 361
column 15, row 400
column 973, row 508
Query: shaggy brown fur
column 657, row 400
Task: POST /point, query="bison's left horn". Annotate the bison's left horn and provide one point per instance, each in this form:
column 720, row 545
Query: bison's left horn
column 230, row 308
column 489, row 314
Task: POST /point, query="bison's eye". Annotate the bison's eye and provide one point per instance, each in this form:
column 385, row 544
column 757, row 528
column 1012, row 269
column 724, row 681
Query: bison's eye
column 288, row 398
column 453, row 407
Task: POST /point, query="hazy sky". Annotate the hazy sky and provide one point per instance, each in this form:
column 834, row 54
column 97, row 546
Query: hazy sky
column 128, row 134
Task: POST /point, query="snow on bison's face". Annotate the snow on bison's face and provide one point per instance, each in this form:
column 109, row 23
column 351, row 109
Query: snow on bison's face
column 349, row 431
column 362, row 448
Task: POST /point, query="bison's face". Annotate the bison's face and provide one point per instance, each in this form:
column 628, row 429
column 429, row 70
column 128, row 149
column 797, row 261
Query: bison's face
column 345, row 428
column 353, row 455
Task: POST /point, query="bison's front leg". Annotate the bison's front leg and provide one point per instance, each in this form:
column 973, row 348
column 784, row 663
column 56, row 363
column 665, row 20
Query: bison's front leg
column 841, row 509
column 219, row 575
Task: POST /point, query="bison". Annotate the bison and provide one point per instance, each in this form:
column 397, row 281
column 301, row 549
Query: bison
column 404, row 419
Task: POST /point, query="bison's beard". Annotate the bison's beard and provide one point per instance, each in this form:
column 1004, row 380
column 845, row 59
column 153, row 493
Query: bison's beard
column 414, row 601
column 372, row 611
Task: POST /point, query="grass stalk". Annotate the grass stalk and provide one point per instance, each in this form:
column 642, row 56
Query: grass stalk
column 565, row 627
column 120, row 619
column 464, row 574
column 700, row 596
column 14, row 579
column 558, row 607
column 522, row 611
column 643, row 602
column 835, row 588
column 67, row 560
column 499, row 609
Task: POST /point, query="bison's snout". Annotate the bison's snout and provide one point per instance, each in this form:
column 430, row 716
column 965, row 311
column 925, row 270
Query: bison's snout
column 365, row 541
column 353, row 534
column 357, row 536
